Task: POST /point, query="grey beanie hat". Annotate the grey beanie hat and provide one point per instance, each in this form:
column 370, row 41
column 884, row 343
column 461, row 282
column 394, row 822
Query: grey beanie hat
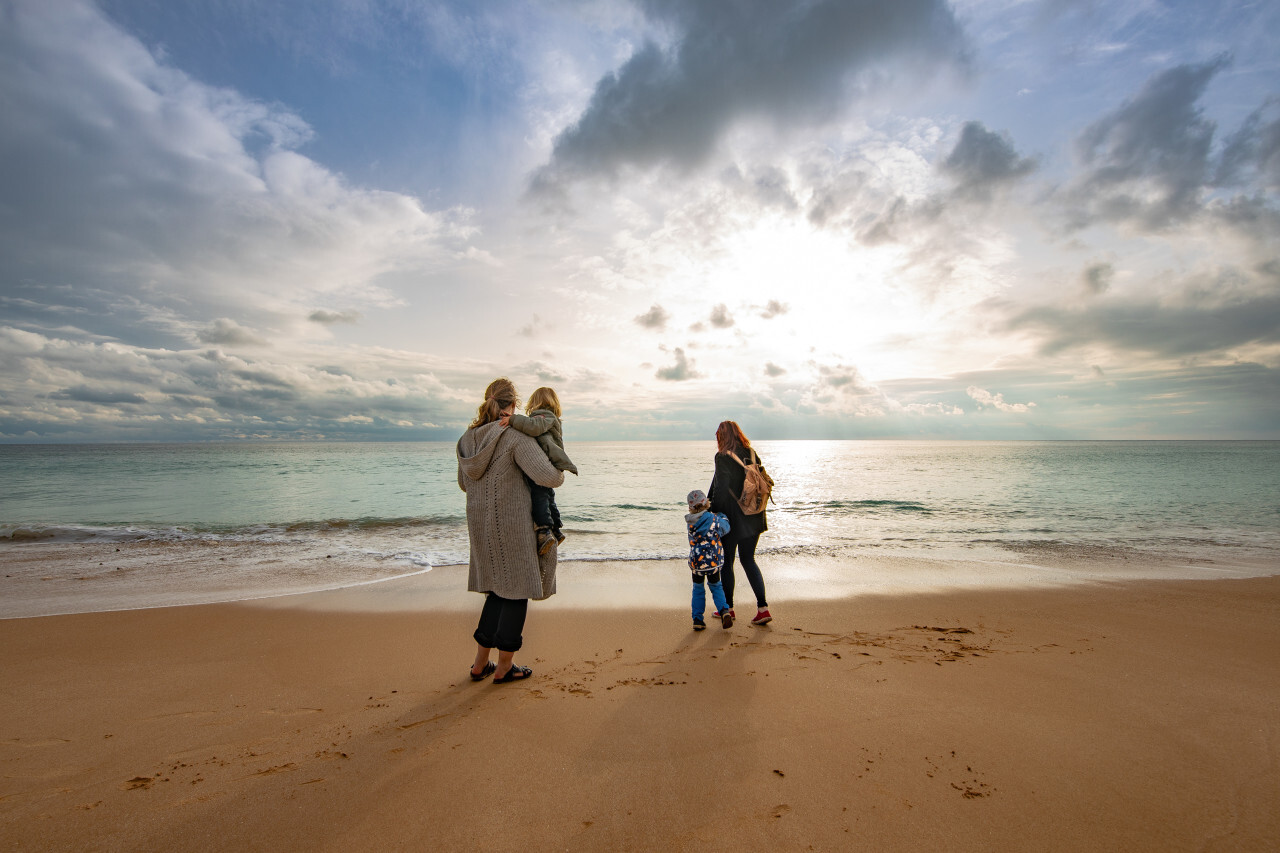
column 696, row 498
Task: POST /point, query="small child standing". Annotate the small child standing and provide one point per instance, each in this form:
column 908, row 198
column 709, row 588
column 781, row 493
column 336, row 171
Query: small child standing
column 706, row 558
column 543, row 423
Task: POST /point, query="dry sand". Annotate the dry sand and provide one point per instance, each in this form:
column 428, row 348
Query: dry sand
column 1133, row 716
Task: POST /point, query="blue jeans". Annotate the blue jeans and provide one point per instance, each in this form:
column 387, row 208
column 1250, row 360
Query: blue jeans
column 700, row 594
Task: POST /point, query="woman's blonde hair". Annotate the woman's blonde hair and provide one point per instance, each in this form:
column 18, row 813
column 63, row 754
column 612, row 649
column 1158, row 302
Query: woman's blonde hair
column 500, row 394
column 543, row 398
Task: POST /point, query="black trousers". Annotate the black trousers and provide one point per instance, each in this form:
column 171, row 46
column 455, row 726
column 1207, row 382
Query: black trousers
column 745, row 551
column 502, row 623
column 544, row 509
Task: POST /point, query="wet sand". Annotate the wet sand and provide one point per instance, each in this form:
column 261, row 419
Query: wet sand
column 1137, row 715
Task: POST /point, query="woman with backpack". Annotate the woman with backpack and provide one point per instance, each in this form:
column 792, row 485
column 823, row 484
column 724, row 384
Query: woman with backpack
column 733, row 454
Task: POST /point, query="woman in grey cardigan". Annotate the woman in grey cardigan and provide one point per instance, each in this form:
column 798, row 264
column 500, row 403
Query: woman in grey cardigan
column 492, row 464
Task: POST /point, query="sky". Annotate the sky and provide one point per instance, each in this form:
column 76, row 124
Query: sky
column 824, row 219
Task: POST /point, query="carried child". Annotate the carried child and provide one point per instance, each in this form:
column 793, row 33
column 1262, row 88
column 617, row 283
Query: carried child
column 542, row 421
column 706, row 558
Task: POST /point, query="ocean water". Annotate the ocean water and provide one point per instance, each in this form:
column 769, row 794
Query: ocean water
column 373, row 511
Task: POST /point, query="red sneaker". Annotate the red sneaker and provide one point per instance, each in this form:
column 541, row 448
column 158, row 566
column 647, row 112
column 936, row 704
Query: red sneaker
column 762, row 618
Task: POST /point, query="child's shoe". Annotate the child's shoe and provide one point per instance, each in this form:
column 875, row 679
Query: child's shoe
column 559, row 537
column 731, row 613
column 762, row 618
column 698, row 624
column 726, row 619
column 545, row 540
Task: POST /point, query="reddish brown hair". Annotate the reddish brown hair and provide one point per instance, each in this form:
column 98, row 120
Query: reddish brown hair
column 730, row 438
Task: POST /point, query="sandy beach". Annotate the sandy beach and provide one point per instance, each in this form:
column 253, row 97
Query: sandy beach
column 1134, row 715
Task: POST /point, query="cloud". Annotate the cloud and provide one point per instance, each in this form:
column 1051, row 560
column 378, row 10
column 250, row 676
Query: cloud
column 720, row 317
column 543, row 371
column 985, row 398
column 655, row 318
column 774, row 309
column 328, row 318
column 1252, row 153
column 225, row 331
column 846, row 379
column 1148, row 161
column 680, row 371
column 1097, row 278
column 771, row 369
column 767, row 186
column 84, row 394
column 984, row 162
column 1207, row 315
column 535, row 327
column 786, row 65
column 154, row 205
column 56, row 389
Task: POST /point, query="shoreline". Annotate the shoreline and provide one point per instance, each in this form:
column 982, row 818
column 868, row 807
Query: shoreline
column 50, row 580
column 1133, row 714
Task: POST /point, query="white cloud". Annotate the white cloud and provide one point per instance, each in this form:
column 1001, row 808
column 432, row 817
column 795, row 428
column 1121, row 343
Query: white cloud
column 178, row 198
column 996, row 401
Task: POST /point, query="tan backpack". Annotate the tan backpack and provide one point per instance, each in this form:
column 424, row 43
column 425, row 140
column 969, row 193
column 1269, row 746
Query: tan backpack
column 757, row 487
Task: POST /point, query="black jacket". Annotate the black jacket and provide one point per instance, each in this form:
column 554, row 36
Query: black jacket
column 726, row 485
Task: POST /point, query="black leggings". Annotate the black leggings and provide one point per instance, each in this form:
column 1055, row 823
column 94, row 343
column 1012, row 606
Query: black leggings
column 746, row 552
column 502, row 623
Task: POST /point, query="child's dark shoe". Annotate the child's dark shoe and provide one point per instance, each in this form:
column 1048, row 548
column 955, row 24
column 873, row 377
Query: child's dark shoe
column 699, row 625
column 545, row 540
column 726, row 618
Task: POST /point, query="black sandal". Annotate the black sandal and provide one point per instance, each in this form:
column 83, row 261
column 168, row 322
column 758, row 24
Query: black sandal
column 484, row 673
column 516, row 673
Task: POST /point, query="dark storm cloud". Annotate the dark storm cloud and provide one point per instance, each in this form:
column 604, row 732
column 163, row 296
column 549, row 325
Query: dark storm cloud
column 982, row 162
column 789, row 64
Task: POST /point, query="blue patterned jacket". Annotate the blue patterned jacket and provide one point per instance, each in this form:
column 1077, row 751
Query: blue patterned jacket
column 706, row 554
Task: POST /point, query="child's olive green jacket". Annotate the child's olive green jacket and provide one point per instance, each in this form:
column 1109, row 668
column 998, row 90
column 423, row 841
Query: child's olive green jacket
column 543, row 425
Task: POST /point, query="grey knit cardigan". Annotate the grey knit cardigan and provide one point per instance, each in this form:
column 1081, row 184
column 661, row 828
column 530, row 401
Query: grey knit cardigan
column 492, row 462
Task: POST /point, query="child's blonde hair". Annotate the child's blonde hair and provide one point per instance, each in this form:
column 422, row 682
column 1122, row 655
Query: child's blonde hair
column 543, row 398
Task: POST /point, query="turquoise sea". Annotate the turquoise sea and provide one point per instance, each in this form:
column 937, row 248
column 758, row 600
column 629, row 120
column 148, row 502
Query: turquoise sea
column 377, row 510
